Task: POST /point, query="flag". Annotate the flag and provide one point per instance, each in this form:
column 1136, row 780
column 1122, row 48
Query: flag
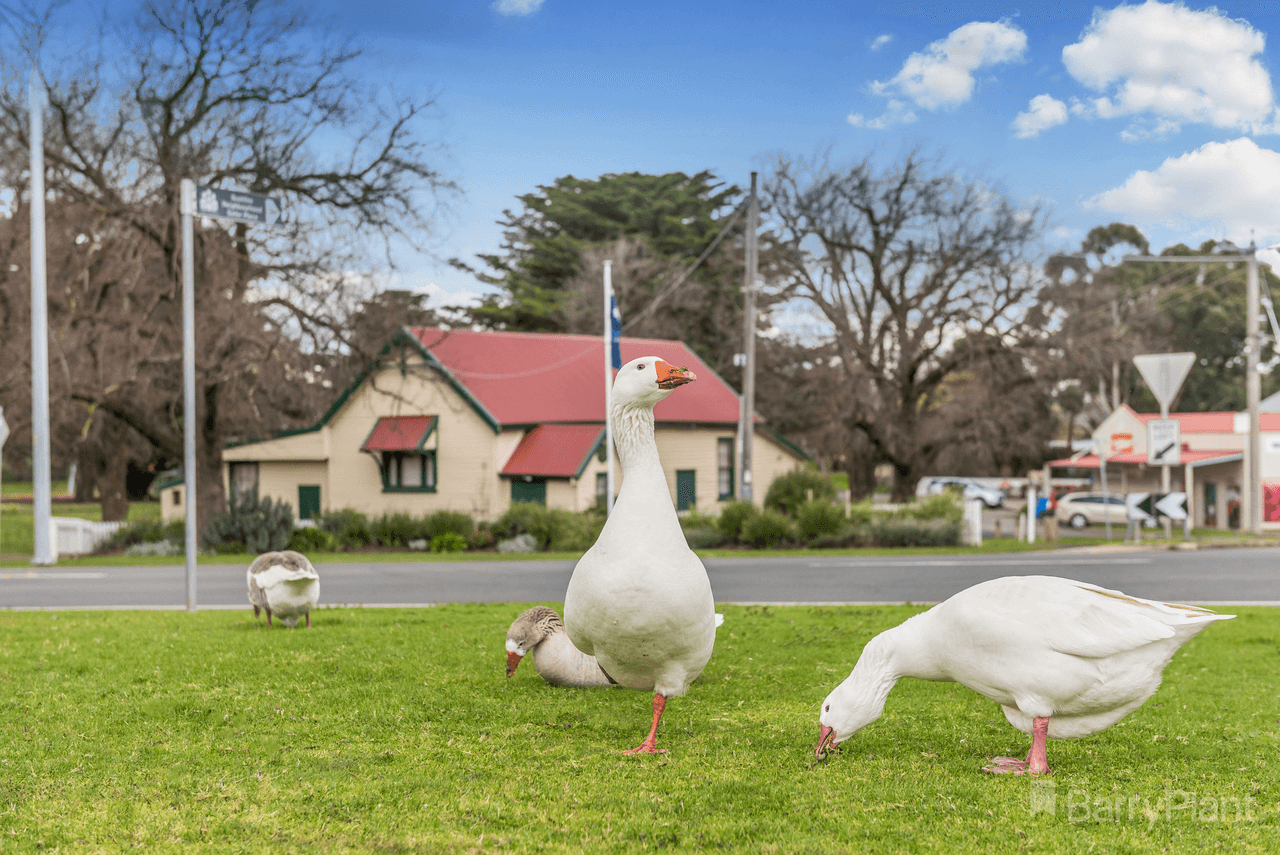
column 615, row 333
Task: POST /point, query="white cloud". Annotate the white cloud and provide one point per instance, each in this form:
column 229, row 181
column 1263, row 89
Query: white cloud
column 881, row 41
column 896, row 113
column 1230, row 187
column 517, row 7
column 942, row 75
column 1175, row 64
column 1042, row 113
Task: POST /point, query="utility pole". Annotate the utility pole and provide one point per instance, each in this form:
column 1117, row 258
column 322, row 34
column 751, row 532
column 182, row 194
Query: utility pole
column 747, row 428
column 1251, row 500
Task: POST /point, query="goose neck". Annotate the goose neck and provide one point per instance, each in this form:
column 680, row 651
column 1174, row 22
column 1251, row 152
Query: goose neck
column 633, row 437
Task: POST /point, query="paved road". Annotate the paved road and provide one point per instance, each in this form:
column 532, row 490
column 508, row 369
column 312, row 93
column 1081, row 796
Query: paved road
column 1207, row 576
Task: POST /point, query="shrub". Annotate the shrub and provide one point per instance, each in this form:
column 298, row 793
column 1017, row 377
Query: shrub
column 555, row 529
column 704, row 538
column 395, row 529
column 819, row 519
column 349, row 528
column 860, row 513
column 447, row 522
column 788, row 492
column 734, row 516
column 250, row 524
column 915, row 533
column 312, row 539
column 150, row 531
column 768, row 529
column 941, row 506
column 449, row 541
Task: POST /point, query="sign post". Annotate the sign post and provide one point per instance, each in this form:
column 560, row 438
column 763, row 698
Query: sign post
column 1164, row 373
column 252, row 208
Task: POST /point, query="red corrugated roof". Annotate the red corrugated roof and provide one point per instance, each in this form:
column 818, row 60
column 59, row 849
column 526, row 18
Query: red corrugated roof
column 558, row 451
column 1216, row 422
column 532, row 378
column 1090, row 461
column 399, row 433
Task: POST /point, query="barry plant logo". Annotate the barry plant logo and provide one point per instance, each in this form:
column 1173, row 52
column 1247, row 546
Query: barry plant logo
column 1076, row 804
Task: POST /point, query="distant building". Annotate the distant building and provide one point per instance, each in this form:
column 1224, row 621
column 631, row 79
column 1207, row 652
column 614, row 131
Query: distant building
column 473, row 421
column 1211, row 472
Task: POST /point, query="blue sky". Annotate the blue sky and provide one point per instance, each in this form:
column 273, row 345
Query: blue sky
column 1159, row 114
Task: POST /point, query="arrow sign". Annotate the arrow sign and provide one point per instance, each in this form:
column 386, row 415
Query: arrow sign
column 1164, row 373
column 1172, row 505
column 1164, row 442
column 1138, row 505
column 238, row 206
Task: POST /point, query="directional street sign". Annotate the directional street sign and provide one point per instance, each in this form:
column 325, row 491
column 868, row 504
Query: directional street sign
column 1172, row 505
column 238, row 206
column 1139, row 506
column 1164, row 442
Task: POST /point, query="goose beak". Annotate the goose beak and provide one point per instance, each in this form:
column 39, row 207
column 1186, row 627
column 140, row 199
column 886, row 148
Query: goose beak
column 513, row 659
column 825, row 734
column 669, row 377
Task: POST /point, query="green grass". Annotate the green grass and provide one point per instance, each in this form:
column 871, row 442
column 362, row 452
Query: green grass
column 394, row 730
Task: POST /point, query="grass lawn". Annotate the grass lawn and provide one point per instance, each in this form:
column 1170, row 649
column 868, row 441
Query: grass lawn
column 394, row 730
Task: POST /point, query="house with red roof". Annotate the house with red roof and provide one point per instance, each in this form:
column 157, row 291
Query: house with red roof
column 1210, row 471
column 476, row 420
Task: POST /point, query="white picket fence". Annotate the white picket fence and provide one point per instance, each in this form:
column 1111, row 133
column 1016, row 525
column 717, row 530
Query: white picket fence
column 74, row 536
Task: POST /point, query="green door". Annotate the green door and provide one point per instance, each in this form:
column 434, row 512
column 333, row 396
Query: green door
column 308, row 501
column 686, row 489
column 528, row 491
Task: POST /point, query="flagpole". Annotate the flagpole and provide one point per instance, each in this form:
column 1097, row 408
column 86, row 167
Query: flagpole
column 46, row 550
column 608, row 385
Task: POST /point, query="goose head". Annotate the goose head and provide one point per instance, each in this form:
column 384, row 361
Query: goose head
column 527, row 632
column 645, row 381
column 859, row 700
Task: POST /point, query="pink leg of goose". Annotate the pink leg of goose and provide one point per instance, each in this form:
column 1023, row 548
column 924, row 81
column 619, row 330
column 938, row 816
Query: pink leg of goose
column 1037, row 762
column 650, row 745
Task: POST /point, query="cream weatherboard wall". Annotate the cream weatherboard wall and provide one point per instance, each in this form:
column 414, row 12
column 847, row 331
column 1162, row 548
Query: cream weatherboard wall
column 469, row 455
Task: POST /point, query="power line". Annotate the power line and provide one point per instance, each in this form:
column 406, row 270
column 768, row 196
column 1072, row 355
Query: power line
column 664, row 293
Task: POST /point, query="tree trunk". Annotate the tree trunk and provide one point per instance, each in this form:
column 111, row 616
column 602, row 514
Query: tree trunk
column 210, row 498
column 113, row 471
column 860, row 463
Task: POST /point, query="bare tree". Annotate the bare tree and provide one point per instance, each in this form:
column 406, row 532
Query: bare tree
column 902, row 264
column 243, row 95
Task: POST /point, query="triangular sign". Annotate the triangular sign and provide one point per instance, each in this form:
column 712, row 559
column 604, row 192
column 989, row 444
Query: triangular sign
column 1164, row 373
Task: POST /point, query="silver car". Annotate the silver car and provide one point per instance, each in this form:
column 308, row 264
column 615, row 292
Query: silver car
column 1081, row 509
column 989, row 496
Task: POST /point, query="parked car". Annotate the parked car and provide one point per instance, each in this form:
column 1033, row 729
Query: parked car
column 989, row 496
column 1081, row 509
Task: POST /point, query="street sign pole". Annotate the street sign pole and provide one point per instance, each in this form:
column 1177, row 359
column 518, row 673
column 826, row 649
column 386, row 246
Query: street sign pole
column 251, row 208
column 189, row 475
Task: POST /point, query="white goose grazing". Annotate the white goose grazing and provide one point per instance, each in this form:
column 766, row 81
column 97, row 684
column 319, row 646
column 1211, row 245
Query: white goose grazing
column 1064, row 659
column 639, row 599
column 540, row 632
column 285, row 585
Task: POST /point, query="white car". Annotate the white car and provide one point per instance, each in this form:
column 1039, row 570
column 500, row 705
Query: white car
column 1081, row 509
column 989, row 496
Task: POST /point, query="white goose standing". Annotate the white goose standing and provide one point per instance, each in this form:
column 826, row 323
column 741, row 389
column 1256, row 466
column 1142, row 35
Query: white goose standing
column 639, row 599
column 539, row 632
column 1064, row 659
column 284, row 584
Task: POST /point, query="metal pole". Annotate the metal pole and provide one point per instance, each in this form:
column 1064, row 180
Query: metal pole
column 608, row 386
column 1253, row 391
column 749, row 335
column 189, row 475
column 46, row 551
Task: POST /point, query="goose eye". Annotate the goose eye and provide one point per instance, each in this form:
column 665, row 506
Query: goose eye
column 640, row 367
column 827, row 708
